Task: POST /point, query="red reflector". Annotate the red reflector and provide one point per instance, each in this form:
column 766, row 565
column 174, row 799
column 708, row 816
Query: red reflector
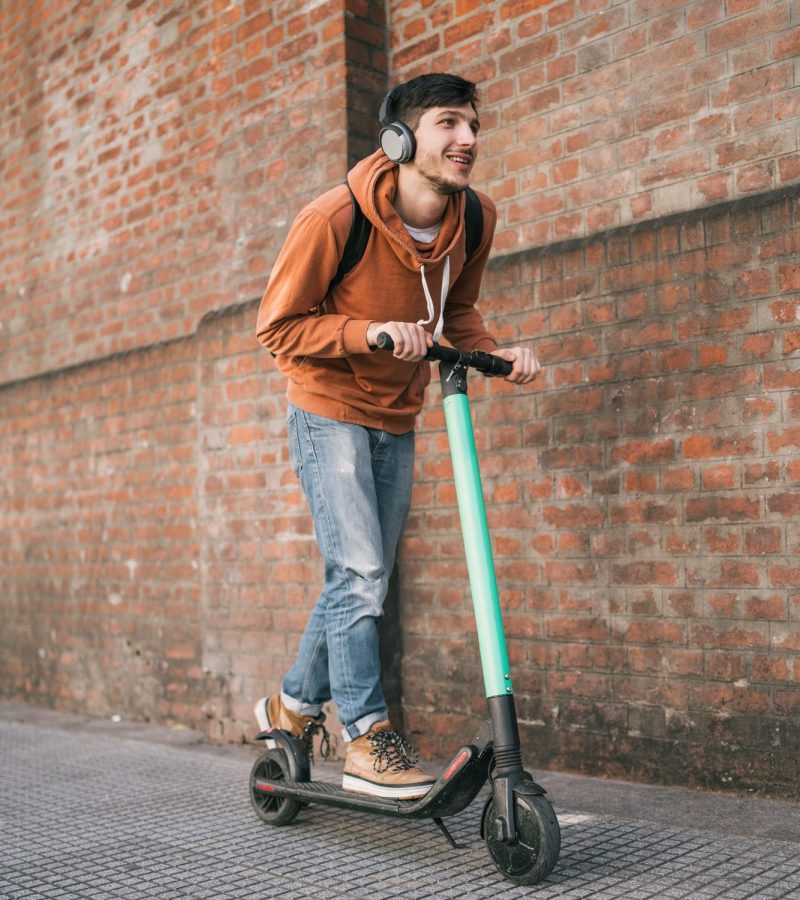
column 265, row 787
column 455, row 764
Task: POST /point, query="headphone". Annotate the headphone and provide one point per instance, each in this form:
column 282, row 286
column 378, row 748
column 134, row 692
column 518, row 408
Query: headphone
column 396, row 138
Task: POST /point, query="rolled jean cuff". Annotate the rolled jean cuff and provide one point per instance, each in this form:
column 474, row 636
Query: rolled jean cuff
column 363, row 725
column 297, row 706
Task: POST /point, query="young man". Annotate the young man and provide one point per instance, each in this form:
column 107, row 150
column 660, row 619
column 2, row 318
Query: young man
column 351, row 408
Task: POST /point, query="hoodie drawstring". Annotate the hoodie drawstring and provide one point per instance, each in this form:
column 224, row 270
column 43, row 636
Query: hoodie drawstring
column 437, row 333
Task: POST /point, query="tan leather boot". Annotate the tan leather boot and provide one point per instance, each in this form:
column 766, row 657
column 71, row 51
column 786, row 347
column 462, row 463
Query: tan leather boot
column 382, row 764
column 271, row 713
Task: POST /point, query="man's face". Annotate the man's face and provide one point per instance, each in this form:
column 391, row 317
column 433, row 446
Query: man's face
column 447, row 146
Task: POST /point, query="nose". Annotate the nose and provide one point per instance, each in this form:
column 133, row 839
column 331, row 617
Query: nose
column 466, row 136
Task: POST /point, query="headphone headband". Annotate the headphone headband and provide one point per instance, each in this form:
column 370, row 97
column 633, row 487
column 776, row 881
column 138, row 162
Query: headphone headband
column 384, row 114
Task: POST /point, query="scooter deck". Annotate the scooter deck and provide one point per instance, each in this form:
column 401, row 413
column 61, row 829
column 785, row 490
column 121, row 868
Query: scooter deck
column 448, row 795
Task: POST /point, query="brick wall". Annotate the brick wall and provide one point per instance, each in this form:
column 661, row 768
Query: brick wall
column 259, row 567
column 102, row 607
column 154, row 156
column 157, row 559
column 158, row 555
column 602, row 113
column 644, row 503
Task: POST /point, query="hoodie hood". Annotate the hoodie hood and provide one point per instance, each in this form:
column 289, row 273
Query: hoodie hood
column 374, row 183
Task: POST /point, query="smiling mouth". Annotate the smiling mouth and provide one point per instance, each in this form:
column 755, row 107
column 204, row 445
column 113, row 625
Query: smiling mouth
column 462, row 160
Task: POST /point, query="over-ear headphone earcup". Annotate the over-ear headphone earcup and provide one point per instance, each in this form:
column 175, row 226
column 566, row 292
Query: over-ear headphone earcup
column 398, row 142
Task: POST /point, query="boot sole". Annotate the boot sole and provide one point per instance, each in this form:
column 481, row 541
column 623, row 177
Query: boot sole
column 388, row 792
column 262, row 716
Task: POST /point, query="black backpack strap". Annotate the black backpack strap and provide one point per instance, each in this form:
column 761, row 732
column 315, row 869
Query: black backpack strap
column 473, row 222
column 360, row 230
column 356, row 240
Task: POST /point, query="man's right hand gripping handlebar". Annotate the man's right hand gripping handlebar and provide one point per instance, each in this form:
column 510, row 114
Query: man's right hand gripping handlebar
column 411, row 342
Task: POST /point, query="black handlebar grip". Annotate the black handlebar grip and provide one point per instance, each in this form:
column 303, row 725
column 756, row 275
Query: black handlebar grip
column 384, row 341
column 489, row 364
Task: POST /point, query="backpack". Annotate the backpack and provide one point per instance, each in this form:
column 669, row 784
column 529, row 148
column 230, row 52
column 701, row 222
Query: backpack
column 361, row 227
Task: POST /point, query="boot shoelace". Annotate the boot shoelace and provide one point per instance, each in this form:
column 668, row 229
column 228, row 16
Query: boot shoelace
column 307, row 740
column 392, row 752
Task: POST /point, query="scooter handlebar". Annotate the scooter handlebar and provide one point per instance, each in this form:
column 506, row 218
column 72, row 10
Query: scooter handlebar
column 475, row 359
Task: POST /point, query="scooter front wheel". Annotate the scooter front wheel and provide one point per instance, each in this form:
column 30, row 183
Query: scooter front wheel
column 272, row 766
column 535, row 853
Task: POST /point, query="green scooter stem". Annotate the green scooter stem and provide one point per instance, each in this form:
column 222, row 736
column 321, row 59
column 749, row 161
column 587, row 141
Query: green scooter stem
column 485, row 599
column 477, row 546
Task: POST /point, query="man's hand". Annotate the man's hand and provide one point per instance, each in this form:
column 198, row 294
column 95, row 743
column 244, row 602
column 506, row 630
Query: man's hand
column 411, row 341
column 526, row 366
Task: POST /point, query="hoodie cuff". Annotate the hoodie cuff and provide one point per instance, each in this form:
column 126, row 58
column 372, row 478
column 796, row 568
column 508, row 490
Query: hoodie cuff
column 354, row 336
column 487, row 345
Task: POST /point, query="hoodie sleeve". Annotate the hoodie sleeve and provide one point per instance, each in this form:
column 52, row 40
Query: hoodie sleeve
column 463, row 323
column 289, row 323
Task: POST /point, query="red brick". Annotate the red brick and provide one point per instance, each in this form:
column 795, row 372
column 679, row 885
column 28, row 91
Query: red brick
column 715, row 385
column 638, row 452
column 657, row 572
column 573, row 515
column 787, row 504
column 727, row 637
column 467, row 28
column 773, row 607
column 577, row 628
column 732, row 509
column 716, row 446
column 746, row 28
column 654, row 632
column 788, row 44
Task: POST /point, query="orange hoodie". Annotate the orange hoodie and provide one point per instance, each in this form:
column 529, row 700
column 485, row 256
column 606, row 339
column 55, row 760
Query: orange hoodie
column 319, row 336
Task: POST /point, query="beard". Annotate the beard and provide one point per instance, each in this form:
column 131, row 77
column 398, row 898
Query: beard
column 430, row 168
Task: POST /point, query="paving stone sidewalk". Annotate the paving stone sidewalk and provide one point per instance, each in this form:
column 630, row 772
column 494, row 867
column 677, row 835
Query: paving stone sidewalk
column 92, row 808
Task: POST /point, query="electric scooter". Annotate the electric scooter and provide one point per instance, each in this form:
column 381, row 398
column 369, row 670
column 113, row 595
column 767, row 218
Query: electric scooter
column 519, row 825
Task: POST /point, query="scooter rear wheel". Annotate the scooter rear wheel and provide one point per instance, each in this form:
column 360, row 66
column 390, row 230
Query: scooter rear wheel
column 535, row 854
column 272, row 766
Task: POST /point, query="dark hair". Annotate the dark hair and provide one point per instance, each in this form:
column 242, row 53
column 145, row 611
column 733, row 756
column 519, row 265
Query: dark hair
column 409, row 101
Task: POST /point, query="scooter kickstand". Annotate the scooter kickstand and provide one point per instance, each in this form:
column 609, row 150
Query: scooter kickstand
column 446, row 833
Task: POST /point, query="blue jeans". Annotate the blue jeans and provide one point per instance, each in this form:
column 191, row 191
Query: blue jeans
column 358, row 484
